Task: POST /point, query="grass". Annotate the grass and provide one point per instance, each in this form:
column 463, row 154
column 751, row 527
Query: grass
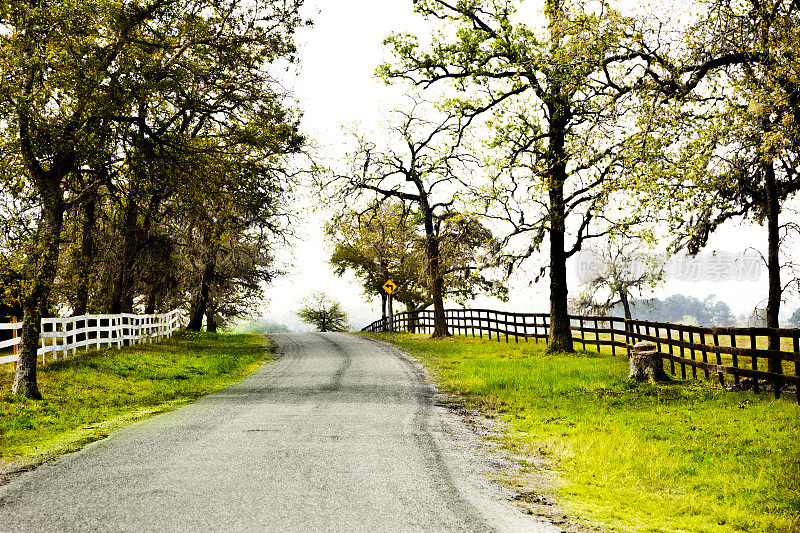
column 93, row 393
column 685, row 456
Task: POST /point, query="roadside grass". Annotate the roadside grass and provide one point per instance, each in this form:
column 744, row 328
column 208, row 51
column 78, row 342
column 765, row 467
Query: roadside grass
column 89, row 395
column 687, row 456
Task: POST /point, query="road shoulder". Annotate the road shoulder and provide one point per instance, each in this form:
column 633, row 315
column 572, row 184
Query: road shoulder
column 481, row 471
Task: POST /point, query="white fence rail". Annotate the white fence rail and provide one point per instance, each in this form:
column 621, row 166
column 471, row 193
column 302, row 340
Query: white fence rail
column 65, row 335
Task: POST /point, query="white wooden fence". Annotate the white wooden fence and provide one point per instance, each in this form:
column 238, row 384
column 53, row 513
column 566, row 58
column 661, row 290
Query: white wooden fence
column 65, row 335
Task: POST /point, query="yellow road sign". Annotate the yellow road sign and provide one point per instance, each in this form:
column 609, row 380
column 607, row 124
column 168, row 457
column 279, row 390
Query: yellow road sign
column 389, row 287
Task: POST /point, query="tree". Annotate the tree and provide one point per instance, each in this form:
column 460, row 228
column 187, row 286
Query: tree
column 97, row 89
column 680, row 308
column 323, row 313
column 55, row 101
column 385, row 241
column 794, row 320
column 231, row 220
column 616, row 274
column 379, row 244
column 425, row 171
column 729, row 142
column 557, row 100
column 243, row 264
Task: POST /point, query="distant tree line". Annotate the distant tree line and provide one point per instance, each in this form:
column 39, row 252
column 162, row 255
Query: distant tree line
column 145, row 157
column 264, row 326
column 680, row 309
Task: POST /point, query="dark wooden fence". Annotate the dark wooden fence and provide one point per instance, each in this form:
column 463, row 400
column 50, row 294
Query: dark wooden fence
column 736, row 352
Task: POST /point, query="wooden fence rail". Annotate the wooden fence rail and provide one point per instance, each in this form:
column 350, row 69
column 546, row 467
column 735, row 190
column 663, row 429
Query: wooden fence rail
column 737, row 352
column 65, row 335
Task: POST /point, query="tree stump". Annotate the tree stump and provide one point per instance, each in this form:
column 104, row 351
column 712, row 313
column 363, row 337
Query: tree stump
column 645, row 363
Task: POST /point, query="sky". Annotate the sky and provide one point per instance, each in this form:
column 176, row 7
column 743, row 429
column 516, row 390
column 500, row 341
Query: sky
column 337, row 91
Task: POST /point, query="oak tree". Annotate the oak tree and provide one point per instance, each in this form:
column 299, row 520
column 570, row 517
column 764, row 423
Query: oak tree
column 557, row 97
column 98, row 89
column 424, row 166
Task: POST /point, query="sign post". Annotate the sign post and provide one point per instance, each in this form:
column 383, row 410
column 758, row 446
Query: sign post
column 390, row 286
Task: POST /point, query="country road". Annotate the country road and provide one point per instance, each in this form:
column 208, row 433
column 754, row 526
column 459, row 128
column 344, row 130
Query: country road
column 339, row 433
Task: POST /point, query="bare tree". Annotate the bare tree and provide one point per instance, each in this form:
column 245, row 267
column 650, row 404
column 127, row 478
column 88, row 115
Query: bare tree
column 427, row 170
column 617, row 273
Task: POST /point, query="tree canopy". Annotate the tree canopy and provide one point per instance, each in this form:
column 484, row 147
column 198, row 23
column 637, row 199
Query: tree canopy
column 557, row 98
column 133, row 133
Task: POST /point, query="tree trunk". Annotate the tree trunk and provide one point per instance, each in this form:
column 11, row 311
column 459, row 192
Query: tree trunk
column 121, row 297
column 439, row 319
column 626, row 306
column 86, row 254
column 390, row 308
column 201, row 300
column 42, row 257
column 559, row 337
column 646, row 363
column 773, row 267
column 413, row 325
column 437, row 281
column 45, row 248
column 152, row 299
column 211, row 318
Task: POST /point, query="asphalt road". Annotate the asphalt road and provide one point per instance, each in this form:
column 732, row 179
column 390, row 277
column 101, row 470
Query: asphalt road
column 340, row 433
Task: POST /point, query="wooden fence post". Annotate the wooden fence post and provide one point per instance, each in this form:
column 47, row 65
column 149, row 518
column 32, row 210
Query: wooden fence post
column 628, row 332
column 597, row 334
column 719, row 359
column 516, row 333
column 611, row 323
column 735, row 359
column 472, row 322
column 691, row 353
column 525, row 326
column 704, row 352
column 754, row 361
column 796, row 348
column 671, row 362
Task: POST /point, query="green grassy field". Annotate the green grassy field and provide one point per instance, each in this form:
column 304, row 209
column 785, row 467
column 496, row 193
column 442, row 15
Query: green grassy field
column 675, row 457
column 88, row 396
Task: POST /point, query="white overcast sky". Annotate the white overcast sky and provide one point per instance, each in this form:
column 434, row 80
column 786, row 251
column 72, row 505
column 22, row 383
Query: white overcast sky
column 336, row 88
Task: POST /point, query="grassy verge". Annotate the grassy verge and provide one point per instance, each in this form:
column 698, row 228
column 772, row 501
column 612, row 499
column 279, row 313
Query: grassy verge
column 90, row 395
column 676, row 457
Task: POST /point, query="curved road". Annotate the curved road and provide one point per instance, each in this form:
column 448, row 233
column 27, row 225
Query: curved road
column 340, row 433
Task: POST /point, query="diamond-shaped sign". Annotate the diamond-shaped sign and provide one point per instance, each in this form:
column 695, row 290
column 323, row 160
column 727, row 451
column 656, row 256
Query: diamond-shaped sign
column 389, row 287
